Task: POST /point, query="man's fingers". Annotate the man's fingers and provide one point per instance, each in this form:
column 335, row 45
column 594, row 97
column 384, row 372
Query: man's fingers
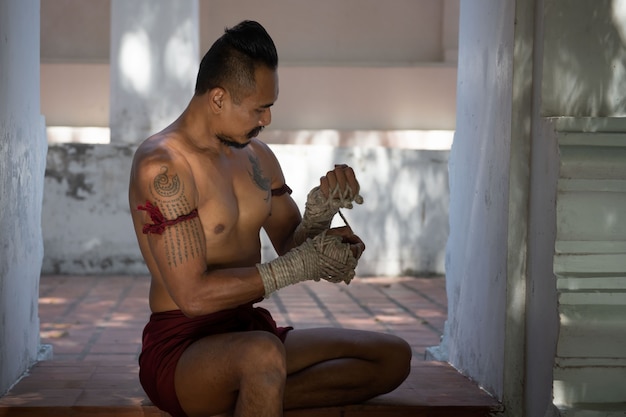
column 343, row 231
column 350, row 178
column 357, row 250
column 338, row 175
column 356, row 245
column 324, row 187
column 352, row 181
column 354, row 240
column 333, row 180
column 347, row 236
column 340, row 183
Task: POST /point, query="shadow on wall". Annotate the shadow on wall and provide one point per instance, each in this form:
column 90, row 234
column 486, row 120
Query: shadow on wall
column 404, row 218
column 405, row 214
column 404, row 221
column 584, row 58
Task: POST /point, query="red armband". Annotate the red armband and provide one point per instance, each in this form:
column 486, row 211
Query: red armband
column 160, row 222
column 276, row 192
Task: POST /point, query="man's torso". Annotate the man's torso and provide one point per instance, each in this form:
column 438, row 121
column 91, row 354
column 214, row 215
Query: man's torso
column 233, row 203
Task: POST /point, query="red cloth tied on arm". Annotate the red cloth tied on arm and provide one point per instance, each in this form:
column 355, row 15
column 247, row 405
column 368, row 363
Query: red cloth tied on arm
column 160, row 222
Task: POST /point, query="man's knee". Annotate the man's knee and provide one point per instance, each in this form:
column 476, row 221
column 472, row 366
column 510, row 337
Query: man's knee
column 397, row 363
column 263, row 353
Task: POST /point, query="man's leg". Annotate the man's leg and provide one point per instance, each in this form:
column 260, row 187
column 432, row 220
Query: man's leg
column 244, row 372
column 333, row 366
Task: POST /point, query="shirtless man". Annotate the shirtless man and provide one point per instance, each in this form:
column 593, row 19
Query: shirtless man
column 200, row 191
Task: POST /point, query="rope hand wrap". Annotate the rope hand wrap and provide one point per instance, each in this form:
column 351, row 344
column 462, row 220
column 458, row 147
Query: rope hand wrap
column 160, row 222
column 319, row 211
column 324, row 256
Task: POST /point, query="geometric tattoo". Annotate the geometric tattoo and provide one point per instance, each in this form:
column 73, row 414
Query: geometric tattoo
column 164, row 186
column 177, row 222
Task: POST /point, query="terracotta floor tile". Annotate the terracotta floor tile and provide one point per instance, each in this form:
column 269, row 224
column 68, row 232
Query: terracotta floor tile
column 94, row 325
column 121, row 358
column 43, row 396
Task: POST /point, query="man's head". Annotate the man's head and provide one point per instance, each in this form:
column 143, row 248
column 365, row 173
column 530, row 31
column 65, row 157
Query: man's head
column 232, row 60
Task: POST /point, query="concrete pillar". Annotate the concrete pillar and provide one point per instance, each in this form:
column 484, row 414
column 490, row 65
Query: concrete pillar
column 22, row 165
column 154, row 61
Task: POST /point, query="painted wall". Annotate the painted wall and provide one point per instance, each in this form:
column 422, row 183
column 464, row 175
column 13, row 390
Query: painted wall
column 349, row 32
column 87, row 225
column 330, row 69
column 542, row 321
column 585, row 58
column 584, row 77
column 154, row 62
column 590, row 266
column 22, row 158
column 476, row 263
column 502, row 322
column 417, row 97
column 520, row 181
column 325, row 32
column 333, row 55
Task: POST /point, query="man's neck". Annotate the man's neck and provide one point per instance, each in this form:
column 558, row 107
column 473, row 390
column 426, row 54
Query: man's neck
column 195, row 124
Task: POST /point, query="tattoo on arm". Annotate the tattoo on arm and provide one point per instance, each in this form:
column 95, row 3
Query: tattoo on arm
column 259, row 180
column 183, row 240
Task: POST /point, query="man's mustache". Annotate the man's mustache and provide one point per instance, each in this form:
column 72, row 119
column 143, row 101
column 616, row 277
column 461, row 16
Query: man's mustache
column 255, row 132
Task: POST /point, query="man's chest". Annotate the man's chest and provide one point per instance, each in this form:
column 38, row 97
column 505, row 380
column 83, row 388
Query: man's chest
column 234, row 198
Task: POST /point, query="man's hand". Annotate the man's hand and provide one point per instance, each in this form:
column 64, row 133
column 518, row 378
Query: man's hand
column 341, row 186
column 347, row 236
column 337, row 189
column 331, row 255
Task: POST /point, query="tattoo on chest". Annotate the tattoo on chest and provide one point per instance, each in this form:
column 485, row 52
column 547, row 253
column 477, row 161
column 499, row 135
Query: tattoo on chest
column 183, row 240
column 259, row 180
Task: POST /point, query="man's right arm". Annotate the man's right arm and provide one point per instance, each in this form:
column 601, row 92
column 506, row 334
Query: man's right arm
column 176, row 242
column 165, row 194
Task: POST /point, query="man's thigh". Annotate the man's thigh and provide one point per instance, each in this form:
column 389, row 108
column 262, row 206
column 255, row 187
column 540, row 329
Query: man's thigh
column 209, row 372
column 307, row 347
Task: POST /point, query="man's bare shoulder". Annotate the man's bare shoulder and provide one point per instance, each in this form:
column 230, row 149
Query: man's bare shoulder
column 260, row 146
column 161, row 147
column 158, row 155
column 264, row 152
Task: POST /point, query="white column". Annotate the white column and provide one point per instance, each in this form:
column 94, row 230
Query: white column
column 154, row 61
column 22, row 164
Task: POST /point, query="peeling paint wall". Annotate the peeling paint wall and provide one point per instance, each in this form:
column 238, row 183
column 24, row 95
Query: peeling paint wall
column 88, row 229
column 86, row 222
column 22, row 159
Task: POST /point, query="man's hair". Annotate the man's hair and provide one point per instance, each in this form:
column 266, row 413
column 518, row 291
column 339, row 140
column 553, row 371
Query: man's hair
column 231, row 61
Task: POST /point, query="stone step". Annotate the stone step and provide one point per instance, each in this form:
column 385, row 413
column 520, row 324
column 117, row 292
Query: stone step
column 432, row 389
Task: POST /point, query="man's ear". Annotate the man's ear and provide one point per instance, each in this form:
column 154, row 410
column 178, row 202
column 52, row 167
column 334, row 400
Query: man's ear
column 216, row 99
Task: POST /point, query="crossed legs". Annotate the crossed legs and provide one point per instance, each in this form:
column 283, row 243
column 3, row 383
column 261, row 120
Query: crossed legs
column 254, row 374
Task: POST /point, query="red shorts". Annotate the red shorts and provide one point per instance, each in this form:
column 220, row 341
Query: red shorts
column 168, row 334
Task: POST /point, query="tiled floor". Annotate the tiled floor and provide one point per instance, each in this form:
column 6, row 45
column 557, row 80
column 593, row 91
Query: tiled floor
column 100, row 319
column 94, row 325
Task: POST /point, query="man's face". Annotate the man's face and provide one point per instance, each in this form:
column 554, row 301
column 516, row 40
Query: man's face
column 248, row 118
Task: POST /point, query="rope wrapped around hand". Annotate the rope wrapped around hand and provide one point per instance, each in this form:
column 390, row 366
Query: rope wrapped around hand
column 319, row 210
column 323, row 257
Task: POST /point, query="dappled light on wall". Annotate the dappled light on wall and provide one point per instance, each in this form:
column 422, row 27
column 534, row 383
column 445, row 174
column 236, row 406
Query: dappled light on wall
column 584, row 59
column 135, row 61
column 616, row 91
column 180, row 51
column 618, row 13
